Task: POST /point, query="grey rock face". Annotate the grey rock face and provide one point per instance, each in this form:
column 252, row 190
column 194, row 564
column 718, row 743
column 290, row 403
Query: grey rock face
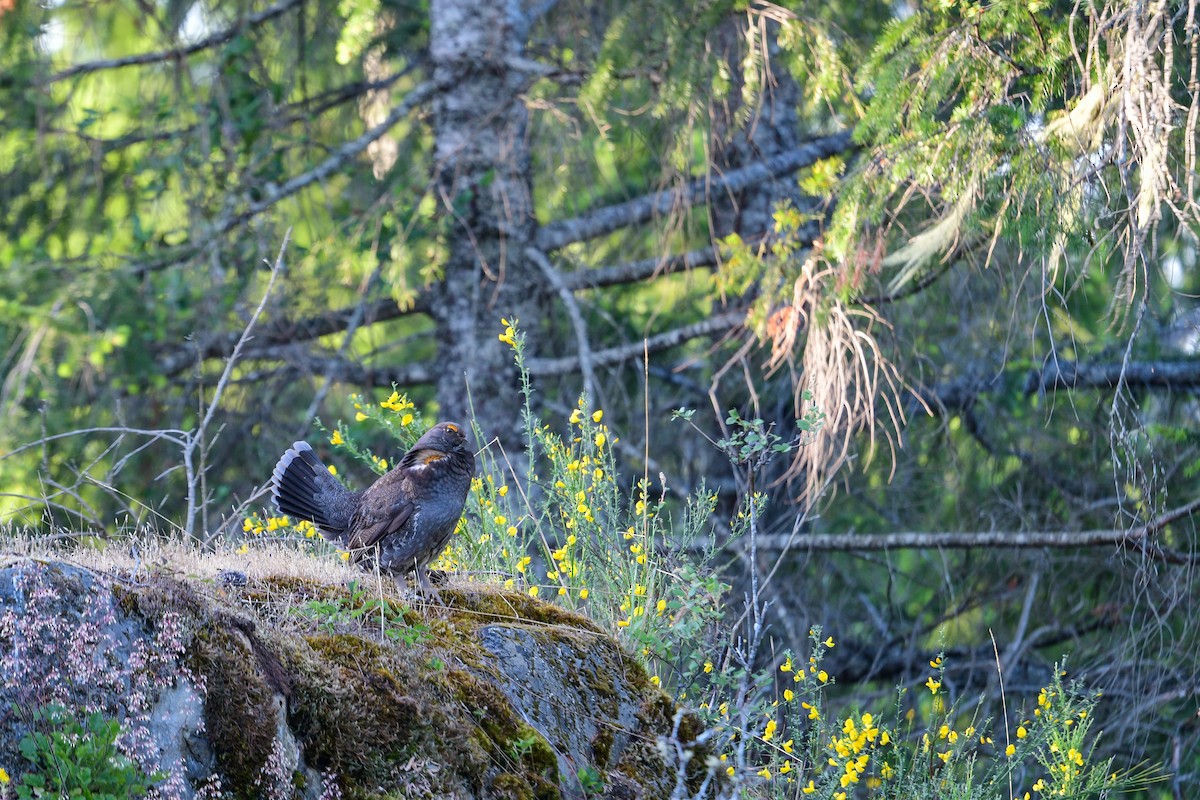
column 66, row 643
column 278, row 688
column 562, row 685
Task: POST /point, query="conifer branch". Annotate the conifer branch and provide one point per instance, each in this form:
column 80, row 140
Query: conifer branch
column 634, row 271
column 611, row 218
column 1140, row 538
column 212, row 40
column 717, row 324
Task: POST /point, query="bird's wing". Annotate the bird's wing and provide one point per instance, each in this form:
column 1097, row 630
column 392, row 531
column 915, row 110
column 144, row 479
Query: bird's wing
column 385, row 509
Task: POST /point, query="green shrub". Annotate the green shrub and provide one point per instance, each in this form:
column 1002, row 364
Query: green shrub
column 556, row 523
column 77, row 759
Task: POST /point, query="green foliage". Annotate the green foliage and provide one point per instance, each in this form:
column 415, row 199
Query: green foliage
column 392, row 620
column 921, row 747
column 777, row 730
column 359, row 28
column 131, row 248
column 591, row 781
column 564, row 530
column 960, row 95
column 523, row 746
column 77, row 759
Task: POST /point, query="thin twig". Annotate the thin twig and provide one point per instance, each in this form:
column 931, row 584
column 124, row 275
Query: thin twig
column 220, row 37
column 195, row 439
column 581, row 336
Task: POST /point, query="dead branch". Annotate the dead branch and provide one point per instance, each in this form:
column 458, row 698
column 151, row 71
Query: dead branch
column 1140, row 538
column 335, row 162
column 717, row 324
column 634, row 271
column 212, row 40
column 1061, row 374
column 176, row 358
column 296, row 362
column 288, row 331
column 582, row 344
column 197, row 440
column 611, row 218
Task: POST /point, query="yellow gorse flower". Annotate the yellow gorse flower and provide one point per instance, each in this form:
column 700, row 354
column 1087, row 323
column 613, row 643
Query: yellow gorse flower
column 509, row 337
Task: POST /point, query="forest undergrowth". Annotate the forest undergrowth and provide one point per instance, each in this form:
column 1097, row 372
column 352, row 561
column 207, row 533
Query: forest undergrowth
column 557, row 522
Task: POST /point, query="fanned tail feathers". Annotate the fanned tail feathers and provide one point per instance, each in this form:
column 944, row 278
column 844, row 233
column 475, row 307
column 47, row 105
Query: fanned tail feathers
column 303, row 488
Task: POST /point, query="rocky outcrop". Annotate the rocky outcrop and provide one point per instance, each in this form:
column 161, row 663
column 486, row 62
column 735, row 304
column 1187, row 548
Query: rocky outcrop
column 293, row 687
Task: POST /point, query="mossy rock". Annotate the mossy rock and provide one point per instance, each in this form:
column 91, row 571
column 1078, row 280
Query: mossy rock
column 241, row 714
column 489, row 694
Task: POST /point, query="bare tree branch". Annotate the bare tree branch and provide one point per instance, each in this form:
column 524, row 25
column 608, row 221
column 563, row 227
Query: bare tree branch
column 172, row 435
column 287, row 331
column 582, row 344
column 960, row 393
column 1139, row 538
column 176, row 358
column 610, row 218
column 198, row 439
column 954, row 540
column 717, row 324
column 298, row 362
column 220, row 37
column 300, row 111
column 337, row 159
column 1060, row 374
column 272, row 338
column 634, row 271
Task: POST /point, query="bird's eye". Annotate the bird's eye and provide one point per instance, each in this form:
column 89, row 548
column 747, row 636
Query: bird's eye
column 450, row 426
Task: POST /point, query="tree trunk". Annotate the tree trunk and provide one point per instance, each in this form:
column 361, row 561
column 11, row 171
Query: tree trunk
column 483, row 181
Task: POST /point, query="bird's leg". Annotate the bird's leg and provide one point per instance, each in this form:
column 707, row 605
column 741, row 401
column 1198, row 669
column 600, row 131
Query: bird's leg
column 425, row 586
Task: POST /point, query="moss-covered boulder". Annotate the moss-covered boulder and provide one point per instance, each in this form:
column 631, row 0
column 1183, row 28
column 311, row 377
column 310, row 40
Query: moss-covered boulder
column 294, row 686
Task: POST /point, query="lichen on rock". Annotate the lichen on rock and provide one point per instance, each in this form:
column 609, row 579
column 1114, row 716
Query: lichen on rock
column 281, row 686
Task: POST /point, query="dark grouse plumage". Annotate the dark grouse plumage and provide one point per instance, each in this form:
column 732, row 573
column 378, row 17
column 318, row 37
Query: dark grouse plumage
column 406, row 517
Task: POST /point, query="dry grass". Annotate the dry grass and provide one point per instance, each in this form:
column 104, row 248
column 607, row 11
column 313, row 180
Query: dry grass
column 147, row 550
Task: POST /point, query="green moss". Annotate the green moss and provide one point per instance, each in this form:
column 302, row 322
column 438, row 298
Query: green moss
column 287, row 589
column 240, row 714
column 602, row 744
column 641, row 762
column 657, row 714
column 161, row 594
column 502, row 734
column 545, row 789
column 483, row 606
column 349, row 710
column 296, row 588
column 388, row 717
column 507, row 786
